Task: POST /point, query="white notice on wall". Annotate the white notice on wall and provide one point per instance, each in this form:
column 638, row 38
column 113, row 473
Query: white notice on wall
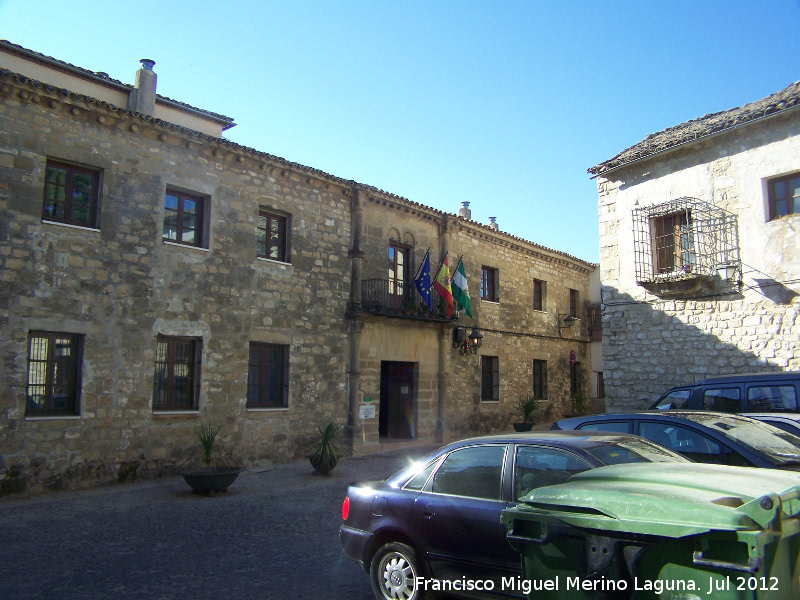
column 366, row 411
column 403, row 389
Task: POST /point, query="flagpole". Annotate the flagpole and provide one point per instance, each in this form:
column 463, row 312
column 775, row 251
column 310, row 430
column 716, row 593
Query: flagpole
column 422, row 263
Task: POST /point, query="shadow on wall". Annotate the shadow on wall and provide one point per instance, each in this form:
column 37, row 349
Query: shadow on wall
column 649, row 347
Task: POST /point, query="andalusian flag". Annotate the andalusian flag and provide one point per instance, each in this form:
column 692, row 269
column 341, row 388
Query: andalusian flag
column 460, row 288
column 442, row 285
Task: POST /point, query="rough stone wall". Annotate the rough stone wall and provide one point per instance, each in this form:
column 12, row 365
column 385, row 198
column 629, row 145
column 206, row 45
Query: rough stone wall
column 650, row 344
column 120, row 286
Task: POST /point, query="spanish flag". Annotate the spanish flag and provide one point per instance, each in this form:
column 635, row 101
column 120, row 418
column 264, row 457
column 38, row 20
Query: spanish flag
column 442, row 285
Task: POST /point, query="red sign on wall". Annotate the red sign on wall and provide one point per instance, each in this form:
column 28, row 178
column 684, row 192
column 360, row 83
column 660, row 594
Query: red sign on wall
column 572, row 358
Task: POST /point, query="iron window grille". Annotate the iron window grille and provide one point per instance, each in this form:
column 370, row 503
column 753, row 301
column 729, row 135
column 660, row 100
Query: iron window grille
column 683, row 239
column 268, row 376
column 70, row 194
column 177, row 374
column 54, row 384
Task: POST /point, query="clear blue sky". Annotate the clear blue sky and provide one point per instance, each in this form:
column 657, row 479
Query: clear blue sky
column 502, row 104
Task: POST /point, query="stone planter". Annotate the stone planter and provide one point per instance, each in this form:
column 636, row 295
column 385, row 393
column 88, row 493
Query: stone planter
column 203, row 480
column 519, row 427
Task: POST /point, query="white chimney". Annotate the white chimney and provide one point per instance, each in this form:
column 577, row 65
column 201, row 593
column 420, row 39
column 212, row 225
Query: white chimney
column 464, row 211
column 493, row 223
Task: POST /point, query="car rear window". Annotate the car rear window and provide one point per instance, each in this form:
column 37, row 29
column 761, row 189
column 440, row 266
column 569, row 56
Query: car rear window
column 772, row 398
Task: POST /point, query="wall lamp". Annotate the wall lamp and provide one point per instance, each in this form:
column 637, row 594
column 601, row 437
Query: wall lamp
column 565, row 322
column 467, row 344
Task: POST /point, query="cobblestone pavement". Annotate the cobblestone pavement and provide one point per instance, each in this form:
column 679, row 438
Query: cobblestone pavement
column 273, row 535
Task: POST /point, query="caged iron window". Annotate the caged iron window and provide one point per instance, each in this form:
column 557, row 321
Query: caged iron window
column 177, row 374
column 54, row 361
column 268, row 376
column 683, row 239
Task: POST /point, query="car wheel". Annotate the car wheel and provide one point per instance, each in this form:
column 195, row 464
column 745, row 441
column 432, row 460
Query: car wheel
column 393, row 573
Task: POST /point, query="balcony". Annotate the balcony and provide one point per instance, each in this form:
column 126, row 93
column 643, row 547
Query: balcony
column 400, row 300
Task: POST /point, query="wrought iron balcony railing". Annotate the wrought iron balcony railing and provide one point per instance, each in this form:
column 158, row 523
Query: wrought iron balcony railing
column 399, row 299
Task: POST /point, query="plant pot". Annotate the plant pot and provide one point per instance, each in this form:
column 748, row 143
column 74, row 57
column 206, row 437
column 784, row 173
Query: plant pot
column 522, row 426
column 323, row 464
column 203, row 480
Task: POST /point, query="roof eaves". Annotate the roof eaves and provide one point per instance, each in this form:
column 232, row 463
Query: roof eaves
column 702, row 128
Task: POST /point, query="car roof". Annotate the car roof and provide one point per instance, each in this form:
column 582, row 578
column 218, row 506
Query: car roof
column 740, row 377
column 664, row 415
column 575, row 438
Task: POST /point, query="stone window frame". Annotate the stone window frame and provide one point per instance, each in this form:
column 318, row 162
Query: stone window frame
column 773, row 200
column 53, row 385
column 490, row 378
column 268, row 376
column 71, row 169
column 490, row 284
column 168, row 364
column 283, row 244
column 201, row 226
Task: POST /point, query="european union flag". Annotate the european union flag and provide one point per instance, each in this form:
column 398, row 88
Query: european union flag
column 423, row 280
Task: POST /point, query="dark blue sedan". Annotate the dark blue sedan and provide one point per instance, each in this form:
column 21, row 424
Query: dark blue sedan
column 435, row 525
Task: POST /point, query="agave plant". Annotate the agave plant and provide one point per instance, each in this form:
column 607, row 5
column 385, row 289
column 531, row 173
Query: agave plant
column 207, row 433
column 327, row 449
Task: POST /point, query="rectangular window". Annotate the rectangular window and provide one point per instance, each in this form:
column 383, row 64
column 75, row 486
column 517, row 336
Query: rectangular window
column 398, row 274
column 573, row 304
column 268, row 376
column 489, row 284
column 184, row 219
column 54, row 361
column 596, row 323
column 70, row 194
column 271, row 234
column 784, row 196
column 538, row 294
column 177, row 375
column 490, row 379
column 674, row 243
column 575, row 379
column 540, row 379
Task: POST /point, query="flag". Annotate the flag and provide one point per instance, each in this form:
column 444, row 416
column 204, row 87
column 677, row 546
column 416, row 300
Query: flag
column 442, row 285
column 461, row 289
column 423, row 280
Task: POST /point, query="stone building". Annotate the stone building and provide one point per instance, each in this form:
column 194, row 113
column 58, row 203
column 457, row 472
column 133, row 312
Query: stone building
column 700, row 250
column 155, row 274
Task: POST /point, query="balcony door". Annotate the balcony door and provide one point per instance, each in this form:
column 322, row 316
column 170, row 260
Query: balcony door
column 398, row 275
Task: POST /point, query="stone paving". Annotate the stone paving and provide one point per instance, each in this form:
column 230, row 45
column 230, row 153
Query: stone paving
column 274, row 534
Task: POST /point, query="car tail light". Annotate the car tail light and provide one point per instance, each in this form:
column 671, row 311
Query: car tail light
column 346, row 508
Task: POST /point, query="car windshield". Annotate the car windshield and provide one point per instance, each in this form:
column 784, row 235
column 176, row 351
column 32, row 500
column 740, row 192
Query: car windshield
column 629, row 449
column 779, row 445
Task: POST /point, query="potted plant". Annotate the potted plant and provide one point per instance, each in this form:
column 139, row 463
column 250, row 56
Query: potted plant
column 580, row 404
column 214, row 476
column 327, row 449
column 526, row 407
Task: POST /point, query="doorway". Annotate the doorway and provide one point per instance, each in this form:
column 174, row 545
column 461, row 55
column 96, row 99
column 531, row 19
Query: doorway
column 398, row 417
